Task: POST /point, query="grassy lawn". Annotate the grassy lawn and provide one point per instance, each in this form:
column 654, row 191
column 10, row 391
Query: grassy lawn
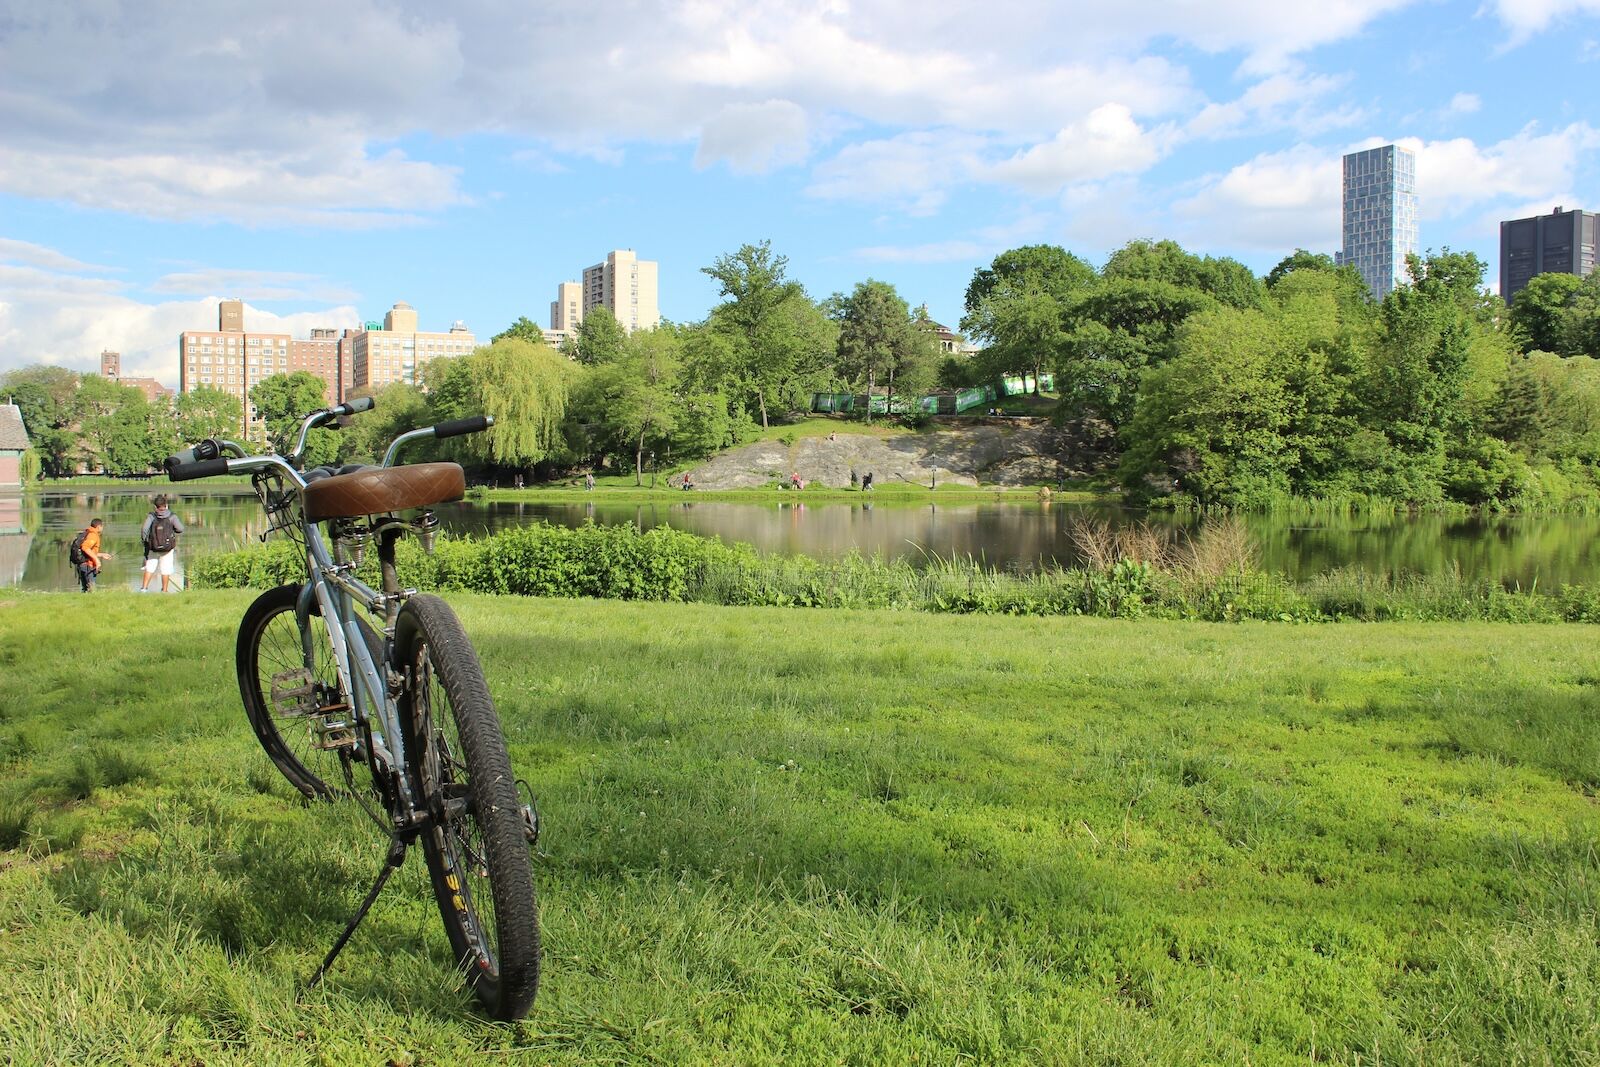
column 834, row 837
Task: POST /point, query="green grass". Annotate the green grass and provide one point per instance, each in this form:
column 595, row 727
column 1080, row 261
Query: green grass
column 835, row 837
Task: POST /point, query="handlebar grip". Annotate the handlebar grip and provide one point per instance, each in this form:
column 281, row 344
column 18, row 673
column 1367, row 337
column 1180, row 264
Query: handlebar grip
column 188, row 472
column 355, row 407
column 204, row 450
column 460, row 426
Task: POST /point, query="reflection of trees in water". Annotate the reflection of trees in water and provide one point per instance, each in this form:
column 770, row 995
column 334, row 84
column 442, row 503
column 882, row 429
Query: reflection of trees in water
column 1553, row 549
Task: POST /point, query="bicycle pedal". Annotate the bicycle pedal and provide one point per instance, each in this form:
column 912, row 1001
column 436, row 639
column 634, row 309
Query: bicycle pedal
column 331, row 736
column 293, row 692
column 333, row 740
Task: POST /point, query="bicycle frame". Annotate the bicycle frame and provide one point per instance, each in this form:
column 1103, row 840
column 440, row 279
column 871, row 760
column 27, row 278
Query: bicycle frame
column 333, row 591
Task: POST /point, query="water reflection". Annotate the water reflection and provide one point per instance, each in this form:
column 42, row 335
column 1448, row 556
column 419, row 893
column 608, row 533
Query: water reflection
column 35, row 530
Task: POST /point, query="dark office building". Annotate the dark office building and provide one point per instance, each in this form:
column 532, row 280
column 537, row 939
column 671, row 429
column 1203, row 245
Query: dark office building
column 1562, row 242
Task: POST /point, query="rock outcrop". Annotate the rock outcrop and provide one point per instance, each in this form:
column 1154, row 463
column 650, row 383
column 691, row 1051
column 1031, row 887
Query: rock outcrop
column 1026, row 453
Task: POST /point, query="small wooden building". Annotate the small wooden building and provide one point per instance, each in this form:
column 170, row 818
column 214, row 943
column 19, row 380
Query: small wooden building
column 13, row 443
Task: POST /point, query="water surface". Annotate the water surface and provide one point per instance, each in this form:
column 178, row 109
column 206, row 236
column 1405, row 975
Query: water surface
column 1516, row 550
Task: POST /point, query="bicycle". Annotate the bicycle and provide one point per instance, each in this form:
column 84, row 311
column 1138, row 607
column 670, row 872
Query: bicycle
column 325, row 690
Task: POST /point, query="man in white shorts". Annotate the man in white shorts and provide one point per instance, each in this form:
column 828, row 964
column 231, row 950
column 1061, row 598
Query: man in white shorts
column 160, row 536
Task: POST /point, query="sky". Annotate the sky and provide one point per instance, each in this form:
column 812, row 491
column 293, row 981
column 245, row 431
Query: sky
column 323, row 160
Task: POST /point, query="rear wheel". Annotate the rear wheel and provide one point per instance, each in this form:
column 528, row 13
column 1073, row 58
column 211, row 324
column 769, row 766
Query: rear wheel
column 477, row 844
column 271, row 656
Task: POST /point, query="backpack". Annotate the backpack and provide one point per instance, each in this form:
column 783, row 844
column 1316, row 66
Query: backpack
column 163, row 538
column 75, row 552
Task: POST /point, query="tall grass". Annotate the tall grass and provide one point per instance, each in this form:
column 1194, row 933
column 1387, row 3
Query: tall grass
column 1142, row 570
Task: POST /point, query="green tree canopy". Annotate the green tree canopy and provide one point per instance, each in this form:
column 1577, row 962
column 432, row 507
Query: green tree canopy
column 47, row 398
column 878, row 341
column 1300, row 259
column 524, row 385
column 207, row 412
column 1227, row 281
column 599, row 337
column 1019, row 308
column 630, row 400
column 282, row 401
column 780, row 344
column 524, row 329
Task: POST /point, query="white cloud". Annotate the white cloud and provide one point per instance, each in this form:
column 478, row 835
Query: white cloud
column 1288, row 99
column 1288, row 199
column 338, row 189
column 1527, row 17
column 14, row 251
column 1278, row 200
column 58, row 310
column 1108, row 141
column 913, row 171
column 295, row 113
column 754, row 138
column 1457, row 174
column 1464, row 104
column 72, row 331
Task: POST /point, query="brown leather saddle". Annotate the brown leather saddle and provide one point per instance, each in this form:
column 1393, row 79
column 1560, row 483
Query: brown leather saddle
column 353, row 491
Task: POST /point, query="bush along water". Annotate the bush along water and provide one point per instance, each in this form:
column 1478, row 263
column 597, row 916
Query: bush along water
column 1130, row 573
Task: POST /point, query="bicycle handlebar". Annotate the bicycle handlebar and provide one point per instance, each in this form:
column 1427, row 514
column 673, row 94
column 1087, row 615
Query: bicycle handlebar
column 458, row 427
column 185, row 472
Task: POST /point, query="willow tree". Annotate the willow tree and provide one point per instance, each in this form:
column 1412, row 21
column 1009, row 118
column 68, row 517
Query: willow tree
column 523, row 384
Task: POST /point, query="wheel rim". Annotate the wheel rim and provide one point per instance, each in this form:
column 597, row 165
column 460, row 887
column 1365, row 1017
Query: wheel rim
column 279, row 650
column 460, row 834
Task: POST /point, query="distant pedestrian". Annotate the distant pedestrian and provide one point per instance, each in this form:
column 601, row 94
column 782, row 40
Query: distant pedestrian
column 866, row 482
column 588, row 480
column 85, row 554
column 794, row 480
column 159, row 535
column 855, row 479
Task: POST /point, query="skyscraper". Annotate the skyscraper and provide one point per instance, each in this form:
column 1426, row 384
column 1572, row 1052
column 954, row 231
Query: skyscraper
column 1562, row 242
column 1380, row 215
column 626, row 285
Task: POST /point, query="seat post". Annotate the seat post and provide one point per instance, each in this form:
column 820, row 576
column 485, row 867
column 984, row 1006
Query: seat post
column 391, row 577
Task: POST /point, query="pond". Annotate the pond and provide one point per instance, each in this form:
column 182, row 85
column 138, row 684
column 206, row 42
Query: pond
column 1516, row 550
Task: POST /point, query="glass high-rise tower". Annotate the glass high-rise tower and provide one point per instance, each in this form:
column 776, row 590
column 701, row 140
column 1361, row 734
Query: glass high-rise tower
column 1380, row 215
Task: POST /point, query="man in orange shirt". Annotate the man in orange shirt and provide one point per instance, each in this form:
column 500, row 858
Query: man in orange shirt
column 92, row 554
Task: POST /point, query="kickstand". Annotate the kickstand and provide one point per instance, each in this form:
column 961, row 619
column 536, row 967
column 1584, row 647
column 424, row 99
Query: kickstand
column 397, row 856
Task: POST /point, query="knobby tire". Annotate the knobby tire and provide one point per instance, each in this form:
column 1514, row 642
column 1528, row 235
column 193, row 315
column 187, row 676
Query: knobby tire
column 477, row 850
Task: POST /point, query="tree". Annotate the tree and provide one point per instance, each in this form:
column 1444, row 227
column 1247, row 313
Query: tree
column 525, row 387
column 46, row 397
column 207, row 412
column 114, row 438
column 1017, row 306
column 1214, row 417
column 396, row 408
column 1580, row 323
column 282, row 401
column 1120, row 327
column 631, row 399
column 1227, row 281
column 599, row 338
column 1300, row 259
column 877, row 340
column 524, row 329
column 780, row 342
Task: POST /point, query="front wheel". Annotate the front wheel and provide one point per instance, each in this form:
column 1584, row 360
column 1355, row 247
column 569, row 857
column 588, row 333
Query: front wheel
column 290, row 686
column 476, row 844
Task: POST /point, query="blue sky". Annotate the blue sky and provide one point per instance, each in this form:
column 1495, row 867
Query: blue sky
column 324, row 160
